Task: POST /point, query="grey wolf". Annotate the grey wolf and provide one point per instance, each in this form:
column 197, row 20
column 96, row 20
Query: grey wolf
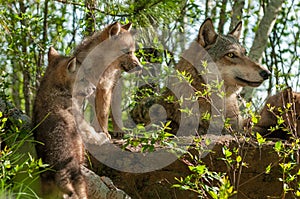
column 115, row 54
column 236, row 69
column 60, row 143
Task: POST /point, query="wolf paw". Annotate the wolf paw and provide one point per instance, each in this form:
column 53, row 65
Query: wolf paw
column 107, row 134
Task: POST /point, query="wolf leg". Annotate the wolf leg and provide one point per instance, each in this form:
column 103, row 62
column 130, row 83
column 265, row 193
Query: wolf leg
column 102, row 106
column 116, row 112
column 80, row 186
column 63, row 182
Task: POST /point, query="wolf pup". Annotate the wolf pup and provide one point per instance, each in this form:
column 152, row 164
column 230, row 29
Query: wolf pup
column 236, row 69
column 116, row 49
column 60, row 143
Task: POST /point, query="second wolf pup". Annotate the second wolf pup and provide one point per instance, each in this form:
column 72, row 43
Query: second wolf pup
column 114, row 47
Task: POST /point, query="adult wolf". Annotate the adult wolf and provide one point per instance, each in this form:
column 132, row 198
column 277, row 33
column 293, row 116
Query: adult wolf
column 236, row 69
column 114, row 52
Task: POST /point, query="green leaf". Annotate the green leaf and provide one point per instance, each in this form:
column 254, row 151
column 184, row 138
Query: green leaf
column 168, row 135
column 4, row 120
column 268, row 169
column 226, row 152
column 207, row 141
column 168, row 123
column 280, row 120
column 140, row 127
column 260, row 139
column 254, row 120
column 176, row 186
column 185, row 187
column 278, row 146
column 238, row 159
column 213, row 194
column 200, row 169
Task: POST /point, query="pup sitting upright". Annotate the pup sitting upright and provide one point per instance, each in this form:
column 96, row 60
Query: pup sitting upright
column 108, row 52
column 60, row 143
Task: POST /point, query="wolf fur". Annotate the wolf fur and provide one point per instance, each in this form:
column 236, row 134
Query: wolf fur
column 235, row 68
column 290, row 115
column 60, row 143
column 115, row 54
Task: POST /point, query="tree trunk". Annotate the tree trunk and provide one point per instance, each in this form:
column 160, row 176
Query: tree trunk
column 207, row 8
column 24, row 66
column 265, row 27
column 41, row 53
column 261, row 37
column 15, row 84
column 222, row 17
column 237, row 13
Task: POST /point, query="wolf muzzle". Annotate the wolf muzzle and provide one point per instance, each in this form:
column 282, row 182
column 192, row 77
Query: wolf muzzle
column 265, row 74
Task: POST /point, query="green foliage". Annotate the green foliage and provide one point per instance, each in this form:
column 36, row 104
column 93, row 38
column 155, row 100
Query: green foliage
column 202, row 181
column 205, row 183
column 18, row 170
column 233, row 159
column 288, row 164
column 148, row 141
column 283, row 123
column 287, row 151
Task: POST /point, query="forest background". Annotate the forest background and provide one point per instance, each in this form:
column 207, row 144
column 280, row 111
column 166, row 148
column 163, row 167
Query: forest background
column 28, row 28
column 271, row 31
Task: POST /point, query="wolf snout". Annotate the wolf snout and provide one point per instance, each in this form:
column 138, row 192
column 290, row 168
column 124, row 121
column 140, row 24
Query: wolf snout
column 138, row 69
column 265, row 74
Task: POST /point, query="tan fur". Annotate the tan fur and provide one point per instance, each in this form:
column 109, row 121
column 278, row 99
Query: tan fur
column 237, row 72
column 292, row 119
column 61, row 145
column 118, row 55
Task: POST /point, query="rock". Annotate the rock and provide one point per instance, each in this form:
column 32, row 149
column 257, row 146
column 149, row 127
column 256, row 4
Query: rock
column 251, row 182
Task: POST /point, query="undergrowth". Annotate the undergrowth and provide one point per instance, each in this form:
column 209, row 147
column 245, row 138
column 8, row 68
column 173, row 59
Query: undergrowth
column 18, row 170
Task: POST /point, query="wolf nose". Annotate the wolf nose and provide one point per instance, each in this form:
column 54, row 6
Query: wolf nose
column 265, row 74
column 138, row 69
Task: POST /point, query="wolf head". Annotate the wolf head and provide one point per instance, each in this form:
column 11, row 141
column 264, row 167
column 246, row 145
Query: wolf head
column 61, row 71
column 121, row 39
column 236, row 68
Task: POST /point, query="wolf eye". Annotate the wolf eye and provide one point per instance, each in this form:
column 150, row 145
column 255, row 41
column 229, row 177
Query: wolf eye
column 126, row 51
column 230, row 55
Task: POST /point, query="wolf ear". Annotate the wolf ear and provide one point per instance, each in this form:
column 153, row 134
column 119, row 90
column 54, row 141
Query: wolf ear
column 207, row 34
column 114, row 29
column 127, row 26
column 236, row 32
column 72, row 65
column 52, row 54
